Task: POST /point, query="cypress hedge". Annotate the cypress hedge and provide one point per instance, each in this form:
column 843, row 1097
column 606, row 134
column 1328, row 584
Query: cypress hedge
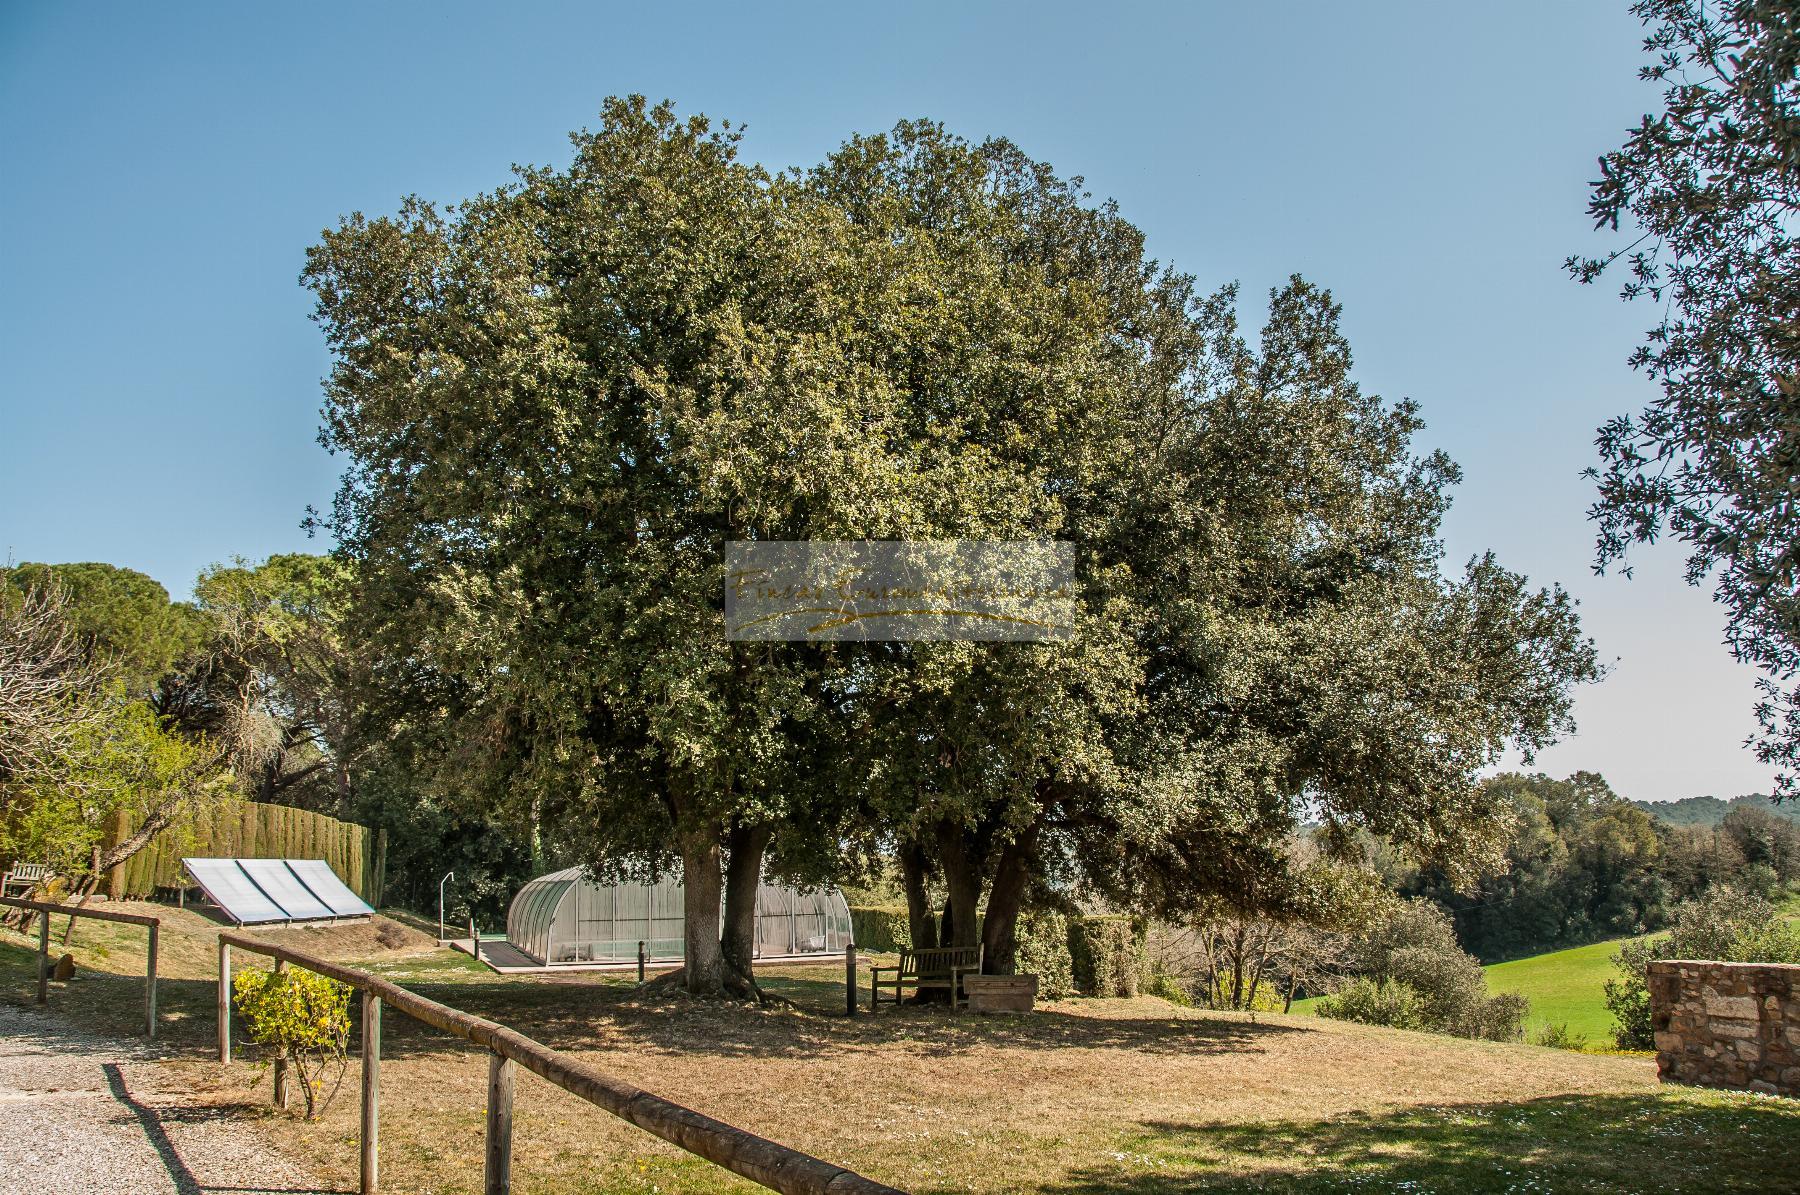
column 1108, row 954
column 882, row 928
column 248, row 830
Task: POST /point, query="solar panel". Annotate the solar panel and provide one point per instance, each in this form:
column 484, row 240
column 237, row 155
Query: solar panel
column 285, row 889
column 317, row 875
column 226, row 885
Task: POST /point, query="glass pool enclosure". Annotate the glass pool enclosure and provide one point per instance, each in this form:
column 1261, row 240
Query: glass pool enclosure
column 568, row 918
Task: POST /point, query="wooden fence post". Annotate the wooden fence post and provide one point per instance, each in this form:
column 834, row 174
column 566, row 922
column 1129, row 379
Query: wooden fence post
column 499, row 1124
column 224, row 1001
column 371, row 1093
column 43, row 958
column 281, row 1075
column 150, row 989
column 850, row 980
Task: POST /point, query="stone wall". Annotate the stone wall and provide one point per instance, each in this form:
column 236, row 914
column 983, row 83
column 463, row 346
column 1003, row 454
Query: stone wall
column 1727, row 1024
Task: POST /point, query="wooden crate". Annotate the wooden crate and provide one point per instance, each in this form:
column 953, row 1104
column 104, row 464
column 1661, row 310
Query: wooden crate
column 1000, row 993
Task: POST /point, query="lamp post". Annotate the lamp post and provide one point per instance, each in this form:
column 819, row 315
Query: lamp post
column 448, row 876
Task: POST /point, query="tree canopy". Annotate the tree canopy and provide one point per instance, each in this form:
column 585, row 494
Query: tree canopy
column 1707, row 188
column 272, row 681
column 120, row 614
column 78, row 745
column 558, row 401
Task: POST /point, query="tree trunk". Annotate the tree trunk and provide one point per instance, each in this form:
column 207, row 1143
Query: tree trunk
column 537, row 836
column 703, row 963
column 1006, row 900
column 921, row 918
column 962, row 884
column 1237, row 967
column 743, row 874
column 1210, row 954
column 1263, row 947
column 84, row 891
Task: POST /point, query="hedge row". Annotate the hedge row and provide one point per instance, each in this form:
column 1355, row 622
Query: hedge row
column 233, row 829
column 1092, row 955
column 1108, row 955
column 881, row 928
column 1044, row 952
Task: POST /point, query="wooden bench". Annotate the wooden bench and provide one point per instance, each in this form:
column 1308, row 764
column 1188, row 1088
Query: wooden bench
column 940, row 968
column 24, row 877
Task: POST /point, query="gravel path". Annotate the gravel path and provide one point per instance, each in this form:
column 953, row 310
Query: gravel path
column 80, row 1113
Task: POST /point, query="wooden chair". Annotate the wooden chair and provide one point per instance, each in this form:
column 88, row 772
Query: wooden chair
column 940, row 968
column 24, row 877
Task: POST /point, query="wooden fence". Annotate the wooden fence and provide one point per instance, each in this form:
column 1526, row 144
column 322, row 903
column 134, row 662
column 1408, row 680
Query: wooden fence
column 761, row 1161
column 43, row 909
column 234, row 829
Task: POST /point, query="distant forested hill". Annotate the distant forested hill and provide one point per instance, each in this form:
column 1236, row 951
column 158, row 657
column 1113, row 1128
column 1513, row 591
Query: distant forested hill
column 1710, row 811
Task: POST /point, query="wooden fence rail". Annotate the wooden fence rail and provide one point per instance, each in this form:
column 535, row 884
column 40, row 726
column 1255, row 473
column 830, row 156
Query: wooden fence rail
column 761, row 1161
column 45, row 908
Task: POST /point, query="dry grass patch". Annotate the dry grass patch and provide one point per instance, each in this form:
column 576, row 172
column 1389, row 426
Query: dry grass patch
column 1088, row 1096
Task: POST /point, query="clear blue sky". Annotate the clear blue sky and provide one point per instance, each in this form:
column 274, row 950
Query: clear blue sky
column 163, row 168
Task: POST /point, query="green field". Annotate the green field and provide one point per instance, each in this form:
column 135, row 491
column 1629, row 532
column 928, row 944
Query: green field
column 1564, row 987
column 1569, row 986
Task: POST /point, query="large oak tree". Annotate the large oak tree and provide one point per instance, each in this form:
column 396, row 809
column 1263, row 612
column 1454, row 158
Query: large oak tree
column 560, row 400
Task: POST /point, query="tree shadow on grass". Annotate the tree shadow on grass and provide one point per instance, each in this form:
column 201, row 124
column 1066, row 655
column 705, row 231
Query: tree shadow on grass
column 590, row 1011
column 577, row 1016
column 582, row 1017
column 1677, row 1139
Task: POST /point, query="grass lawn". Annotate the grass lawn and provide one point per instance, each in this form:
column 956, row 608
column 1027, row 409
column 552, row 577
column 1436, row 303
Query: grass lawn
column 1564, row 987
column 1087, row 1097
